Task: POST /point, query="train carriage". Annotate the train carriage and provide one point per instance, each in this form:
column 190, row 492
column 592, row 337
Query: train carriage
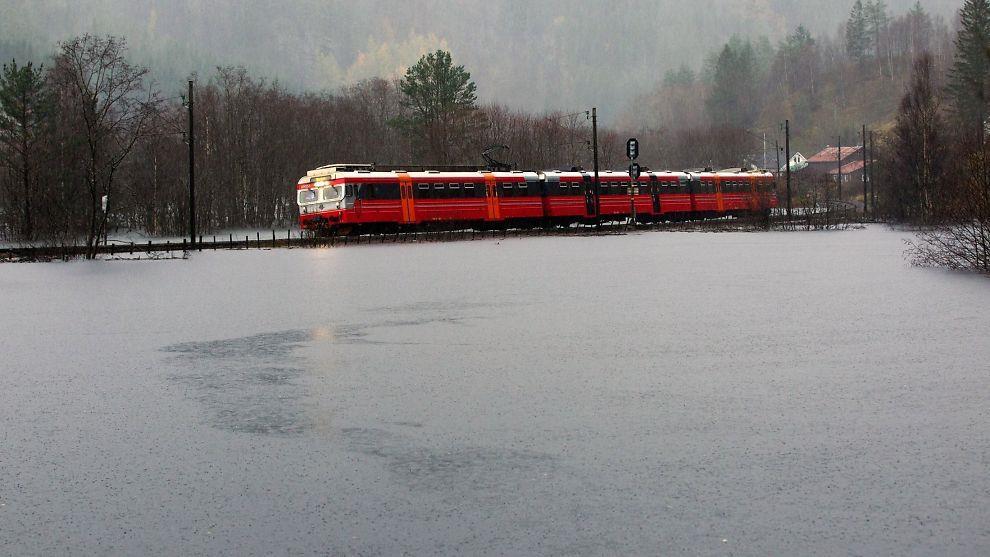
column 345, row 197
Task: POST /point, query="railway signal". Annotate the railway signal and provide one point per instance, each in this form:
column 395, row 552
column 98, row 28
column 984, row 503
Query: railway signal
column 634, row 171
column 632, row 148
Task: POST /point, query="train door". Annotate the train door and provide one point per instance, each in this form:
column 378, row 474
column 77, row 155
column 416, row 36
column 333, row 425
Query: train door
column 406, row 199
column 719, row 198
column 655, row 194
column 694, row 186
column 548, row 184
column 590, row 196
column 492, row 198
column 754, row 188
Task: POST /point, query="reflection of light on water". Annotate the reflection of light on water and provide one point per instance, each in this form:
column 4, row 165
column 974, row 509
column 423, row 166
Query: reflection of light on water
column 324, row 334
column 319, row 365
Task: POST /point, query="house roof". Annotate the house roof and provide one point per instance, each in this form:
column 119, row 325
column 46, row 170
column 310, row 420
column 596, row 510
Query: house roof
column 831, row 154
column 849, row 168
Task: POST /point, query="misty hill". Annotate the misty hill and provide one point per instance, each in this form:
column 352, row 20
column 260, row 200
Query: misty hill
column 549, row 54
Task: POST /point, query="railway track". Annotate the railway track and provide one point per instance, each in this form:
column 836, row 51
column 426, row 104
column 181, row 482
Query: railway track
column 170, row 249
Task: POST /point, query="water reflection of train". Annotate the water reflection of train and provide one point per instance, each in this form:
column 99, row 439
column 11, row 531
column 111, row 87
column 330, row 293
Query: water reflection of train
column 343, row 198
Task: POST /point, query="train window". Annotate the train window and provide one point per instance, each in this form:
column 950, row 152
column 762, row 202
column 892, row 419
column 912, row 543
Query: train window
column 307, row 196
column 392, row 191
column 423, row 191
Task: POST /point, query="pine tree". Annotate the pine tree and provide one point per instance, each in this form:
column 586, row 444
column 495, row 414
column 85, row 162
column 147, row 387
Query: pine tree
column 441, row 97
column 876, row 29
column 26, row 107
column 969, row 79
column 856, row 39
column 681, row 77
column 733, row 100
column 921, row 28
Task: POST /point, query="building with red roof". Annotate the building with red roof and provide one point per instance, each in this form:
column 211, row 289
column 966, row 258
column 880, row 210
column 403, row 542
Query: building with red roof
column 831, row 162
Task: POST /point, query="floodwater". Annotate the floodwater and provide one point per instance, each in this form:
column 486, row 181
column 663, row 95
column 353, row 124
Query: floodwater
column 655, row 393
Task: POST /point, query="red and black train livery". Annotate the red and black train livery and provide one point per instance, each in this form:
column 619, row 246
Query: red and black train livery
column 349, row 197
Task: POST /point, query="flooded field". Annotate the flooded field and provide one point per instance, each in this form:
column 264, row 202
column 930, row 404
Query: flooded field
column 655, row 393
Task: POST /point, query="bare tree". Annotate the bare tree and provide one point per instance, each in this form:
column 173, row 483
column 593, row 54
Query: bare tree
column 962, row 239
column 917, row 149
column 104, row 99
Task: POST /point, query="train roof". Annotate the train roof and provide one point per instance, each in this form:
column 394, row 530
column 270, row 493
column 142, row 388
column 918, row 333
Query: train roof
column 367, row 171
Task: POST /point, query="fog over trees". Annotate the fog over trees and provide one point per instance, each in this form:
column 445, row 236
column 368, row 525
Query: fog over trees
column 552, row 54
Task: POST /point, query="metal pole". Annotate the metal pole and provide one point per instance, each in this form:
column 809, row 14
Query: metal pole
column 787, row 153
column 192, row 169
column 776, row 172
column 633, row 185
column 866, row 200
column 594, row 148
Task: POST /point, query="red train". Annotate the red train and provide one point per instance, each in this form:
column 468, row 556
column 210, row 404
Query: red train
column 342, row 198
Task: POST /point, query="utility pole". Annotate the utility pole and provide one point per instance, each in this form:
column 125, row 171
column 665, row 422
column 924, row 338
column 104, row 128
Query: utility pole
column 787, row 153
column 838, row 157
column 192, row 172
column 765, row 151
column 776, row 172
column 594, row 148
column 866, row 200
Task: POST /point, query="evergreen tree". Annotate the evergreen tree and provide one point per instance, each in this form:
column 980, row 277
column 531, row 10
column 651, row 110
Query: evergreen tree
column 682, row 76
column 26, row 107
column 921, row 28
column 856, row 38
column 734, row 101
column 877, row 21
column 969, row 83
column 441, row 98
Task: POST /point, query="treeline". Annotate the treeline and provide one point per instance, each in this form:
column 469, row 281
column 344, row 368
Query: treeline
column 827, row 86
column 935, row 161
column 88, row 144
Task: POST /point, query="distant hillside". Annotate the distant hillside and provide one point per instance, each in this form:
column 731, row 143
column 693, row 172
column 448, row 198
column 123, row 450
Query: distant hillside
column 547, row 54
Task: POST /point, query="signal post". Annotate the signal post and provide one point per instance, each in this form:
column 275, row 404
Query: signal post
column 632, row 152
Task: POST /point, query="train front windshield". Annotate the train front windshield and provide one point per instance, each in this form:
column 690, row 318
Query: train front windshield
column 319, row 193
column 333, row 193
